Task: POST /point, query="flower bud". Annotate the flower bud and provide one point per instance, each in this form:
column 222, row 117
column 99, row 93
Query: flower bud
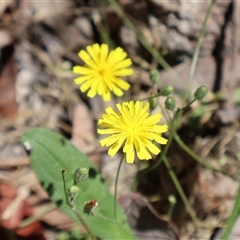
column 154, row 76
column 167, row 90
column 80, row 174
column 72, row 193
column 91, row 207
column 172, row 199
column 200, row 93
column 170, row 103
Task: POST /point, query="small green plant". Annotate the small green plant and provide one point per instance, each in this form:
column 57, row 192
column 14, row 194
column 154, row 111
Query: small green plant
column 52, row 157
column 72, row 181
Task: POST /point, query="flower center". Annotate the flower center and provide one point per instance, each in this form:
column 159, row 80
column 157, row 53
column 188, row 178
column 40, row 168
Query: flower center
column 102, row 72
column 132, row 132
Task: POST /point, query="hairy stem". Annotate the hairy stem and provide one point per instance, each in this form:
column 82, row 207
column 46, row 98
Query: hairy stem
column 72, row 206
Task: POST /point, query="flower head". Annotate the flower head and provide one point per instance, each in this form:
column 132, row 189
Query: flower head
column 73, row 191
column 80, row 175
column 103, row 71
column 201, row 93
column 132, row 127
column 170, row 103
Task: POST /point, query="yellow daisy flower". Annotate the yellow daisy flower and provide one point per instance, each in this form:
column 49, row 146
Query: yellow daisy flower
column 133, row 127
column 103, row 71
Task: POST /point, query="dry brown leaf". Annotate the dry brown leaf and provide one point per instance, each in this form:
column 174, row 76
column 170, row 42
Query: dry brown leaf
column 8, row 73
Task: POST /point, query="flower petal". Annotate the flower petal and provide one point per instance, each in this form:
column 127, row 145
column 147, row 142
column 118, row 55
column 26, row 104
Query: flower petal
column 91, row 93
column 93, row 51
column 82, row 79
column 103, row 53
column 123, row 72
column 130, row 154
column 87, row 59
column 115, row 147
column 122, row 64
column 122, row 84
column 82, row 70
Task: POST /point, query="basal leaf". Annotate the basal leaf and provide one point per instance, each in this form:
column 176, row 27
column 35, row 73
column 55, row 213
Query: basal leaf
column 50, row 153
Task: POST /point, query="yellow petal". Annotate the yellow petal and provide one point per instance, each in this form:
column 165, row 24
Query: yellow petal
column 116, row 56
column 91, row 93
column 153, row 149
column 108, row 131
column 143, row 154
column 96, row 49
column 82, row 70
column 115, row 147
column 93, row 51
column 159, row 139
column 82, row 79
column 104, row 141
column 85, row 86
column 123, row 72
column 122, row 84
column 103, row 53
column 106, row 96
column 130, row 154
column 118, row 91
column 87, row 59
column 101, row 88
column 122, row 64
column 108, row 141
column 160, row 128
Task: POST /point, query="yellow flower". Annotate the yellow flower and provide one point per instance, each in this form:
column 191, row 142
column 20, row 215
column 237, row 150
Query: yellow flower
column 103, row 71
column 133, row 127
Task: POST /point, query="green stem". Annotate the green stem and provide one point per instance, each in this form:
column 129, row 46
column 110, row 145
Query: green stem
column 199, row 44
column 166, row 148
column 159, row 160
column 171, row 207
column 180, row 191
column 115, row 188
column 82, row 221
column 233, row 217
column 188, row 105
column 65, row 187
column 34, row 218
column 197, row 158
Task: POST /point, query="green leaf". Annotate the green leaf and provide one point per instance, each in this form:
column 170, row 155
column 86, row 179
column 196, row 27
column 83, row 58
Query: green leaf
column 50, row 153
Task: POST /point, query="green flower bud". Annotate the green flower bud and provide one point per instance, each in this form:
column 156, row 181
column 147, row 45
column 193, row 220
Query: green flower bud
column 72, row 193
column 154, row 76
column 172, row 199
column 170, row 103
column 167, row 90
column 80, row 174
column 200, row 93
